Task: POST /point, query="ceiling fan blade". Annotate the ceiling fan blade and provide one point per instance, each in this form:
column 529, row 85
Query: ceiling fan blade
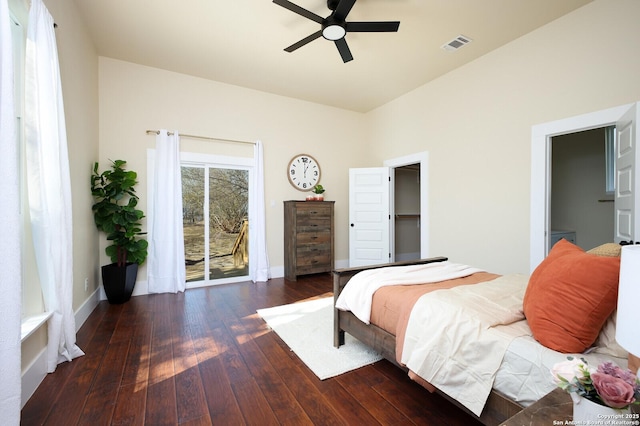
column 372, row 27
column 299, row 10
column 304, row 41
column 343, row 9
column 343, row 48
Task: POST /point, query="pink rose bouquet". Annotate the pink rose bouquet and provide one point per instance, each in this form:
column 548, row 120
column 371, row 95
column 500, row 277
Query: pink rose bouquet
column 607, row 385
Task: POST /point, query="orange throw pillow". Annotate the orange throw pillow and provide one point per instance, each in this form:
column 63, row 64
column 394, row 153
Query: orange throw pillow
column 569, row 297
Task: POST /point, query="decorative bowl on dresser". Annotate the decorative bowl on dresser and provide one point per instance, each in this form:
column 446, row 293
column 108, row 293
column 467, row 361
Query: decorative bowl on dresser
column 308, row 238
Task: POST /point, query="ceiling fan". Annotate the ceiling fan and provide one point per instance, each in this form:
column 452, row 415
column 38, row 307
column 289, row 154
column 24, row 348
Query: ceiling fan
column 334, row 27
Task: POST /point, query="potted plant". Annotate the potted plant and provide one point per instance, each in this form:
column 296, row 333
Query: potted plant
column 318, row 190
column 115, row 214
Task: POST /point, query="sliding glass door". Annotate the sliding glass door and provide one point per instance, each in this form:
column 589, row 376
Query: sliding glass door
column 215, row 220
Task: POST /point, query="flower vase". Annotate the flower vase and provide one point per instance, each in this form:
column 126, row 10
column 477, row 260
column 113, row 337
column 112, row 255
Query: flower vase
column 586, row 412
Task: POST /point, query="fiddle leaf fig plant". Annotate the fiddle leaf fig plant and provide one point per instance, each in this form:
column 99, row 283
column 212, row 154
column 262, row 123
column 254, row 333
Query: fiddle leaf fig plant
column 116, row 214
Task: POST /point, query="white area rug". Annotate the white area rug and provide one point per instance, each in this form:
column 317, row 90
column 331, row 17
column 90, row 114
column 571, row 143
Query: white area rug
column 307, row 328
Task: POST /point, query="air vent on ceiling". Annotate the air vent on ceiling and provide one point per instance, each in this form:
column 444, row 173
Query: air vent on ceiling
column 456, row 43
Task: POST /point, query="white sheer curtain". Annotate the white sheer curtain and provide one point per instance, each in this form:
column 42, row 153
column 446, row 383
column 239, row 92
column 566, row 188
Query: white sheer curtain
column 166, row 273
column 11, row 277
column 49, row 184
column 258, row 256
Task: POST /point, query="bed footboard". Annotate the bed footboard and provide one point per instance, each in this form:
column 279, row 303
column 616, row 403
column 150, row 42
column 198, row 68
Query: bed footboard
column 345, row 321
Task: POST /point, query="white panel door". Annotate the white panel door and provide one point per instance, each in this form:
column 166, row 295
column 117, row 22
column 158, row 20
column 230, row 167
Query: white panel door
column 626, row 209
column 369, row 238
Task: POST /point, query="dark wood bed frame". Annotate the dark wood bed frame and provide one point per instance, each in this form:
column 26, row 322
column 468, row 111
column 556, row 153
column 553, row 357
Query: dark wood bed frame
column 498, row 408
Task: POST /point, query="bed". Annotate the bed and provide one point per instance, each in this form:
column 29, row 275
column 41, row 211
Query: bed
column 522, row 377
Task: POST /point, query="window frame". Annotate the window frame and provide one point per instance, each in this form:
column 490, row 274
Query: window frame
column 33, row 309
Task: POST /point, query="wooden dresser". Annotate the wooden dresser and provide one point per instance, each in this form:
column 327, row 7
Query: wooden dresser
column 308, row 238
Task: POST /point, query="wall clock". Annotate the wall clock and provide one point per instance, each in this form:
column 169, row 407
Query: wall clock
column 303, row 172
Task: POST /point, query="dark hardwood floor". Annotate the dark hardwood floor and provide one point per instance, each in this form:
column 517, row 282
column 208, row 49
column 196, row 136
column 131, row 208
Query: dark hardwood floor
column 205, row 357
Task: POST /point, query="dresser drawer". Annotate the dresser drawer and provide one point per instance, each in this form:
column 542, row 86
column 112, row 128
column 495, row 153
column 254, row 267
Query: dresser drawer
column 314, row 249
column 312, row 225
column 309, row 238
column 310, row 263
column 313, row 269
column 313, row 210
column 312, row 258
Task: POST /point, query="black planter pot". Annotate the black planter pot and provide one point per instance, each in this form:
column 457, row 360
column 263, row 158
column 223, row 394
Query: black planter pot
column 118, row 281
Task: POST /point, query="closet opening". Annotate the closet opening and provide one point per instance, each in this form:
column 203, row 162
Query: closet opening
column 406, row 217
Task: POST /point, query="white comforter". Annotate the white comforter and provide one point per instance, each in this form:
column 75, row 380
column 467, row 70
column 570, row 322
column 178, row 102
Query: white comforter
column 456, row 339
column 357, row 295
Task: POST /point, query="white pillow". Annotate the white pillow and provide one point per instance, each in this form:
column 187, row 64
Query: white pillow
column 606, row 341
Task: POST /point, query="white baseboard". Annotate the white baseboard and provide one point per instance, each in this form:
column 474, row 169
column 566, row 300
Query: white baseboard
column 87, row 307
column 277, row 271
column 142, row 287
column 35, row 373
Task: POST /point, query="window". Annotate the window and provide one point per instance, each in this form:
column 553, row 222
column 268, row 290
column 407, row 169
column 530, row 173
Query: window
column 33, row 309
column 32, row 302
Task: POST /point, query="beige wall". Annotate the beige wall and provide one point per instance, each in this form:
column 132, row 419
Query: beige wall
column 135, row 98
column 79, row 70
column 476, row 124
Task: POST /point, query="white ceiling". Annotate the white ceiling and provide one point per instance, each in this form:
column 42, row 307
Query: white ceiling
column 241, row 42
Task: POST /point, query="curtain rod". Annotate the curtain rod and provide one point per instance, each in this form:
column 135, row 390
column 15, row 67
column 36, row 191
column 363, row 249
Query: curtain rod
column 157, row 132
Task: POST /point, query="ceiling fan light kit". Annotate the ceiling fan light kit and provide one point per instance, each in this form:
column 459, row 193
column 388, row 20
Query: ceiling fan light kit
column 335, row 27
column 334, row 32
